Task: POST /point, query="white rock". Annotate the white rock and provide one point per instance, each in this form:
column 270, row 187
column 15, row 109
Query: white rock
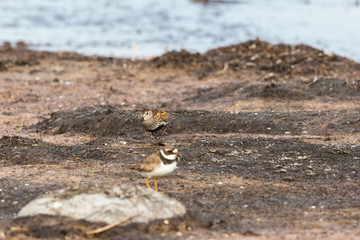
column 108, row 204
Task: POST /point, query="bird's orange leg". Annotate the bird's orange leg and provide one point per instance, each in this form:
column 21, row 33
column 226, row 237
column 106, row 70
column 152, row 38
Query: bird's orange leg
column 147, row 183
column 156, row 188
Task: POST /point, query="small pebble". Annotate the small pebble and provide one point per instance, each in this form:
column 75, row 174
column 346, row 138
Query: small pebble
column 288, row 178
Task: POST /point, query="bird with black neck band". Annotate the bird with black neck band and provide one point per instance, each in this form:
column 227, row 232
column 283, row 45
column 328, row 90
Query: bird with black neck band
column 158, row 164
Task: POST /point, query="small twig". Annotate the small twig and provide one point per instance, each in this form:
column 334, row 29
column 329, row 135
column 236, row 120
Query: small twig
column 19, row 229
column 112, row 225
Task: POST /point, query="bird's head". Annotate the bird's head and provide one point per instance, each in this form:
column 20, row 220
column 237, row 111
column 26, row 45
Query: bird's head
column 169, row 152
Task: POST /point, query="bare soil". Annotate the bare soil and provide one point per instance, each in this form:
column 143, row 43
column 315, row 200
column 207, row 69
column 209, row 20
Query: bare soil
column 268, row 137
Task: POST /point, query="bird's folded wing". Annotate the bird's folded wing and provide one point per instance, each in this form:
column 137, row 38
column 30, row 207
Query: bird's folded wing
column 164, row 115
column 150, row 163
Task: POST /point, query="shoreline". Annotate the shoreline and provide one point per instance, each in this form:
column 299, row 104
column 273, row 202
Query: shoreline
column 134, row 51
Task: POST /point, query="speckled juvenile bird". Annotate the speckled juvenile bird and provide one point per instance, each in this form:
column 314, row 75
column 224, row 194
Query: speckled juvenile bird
column 154, row 119
column 158, row 164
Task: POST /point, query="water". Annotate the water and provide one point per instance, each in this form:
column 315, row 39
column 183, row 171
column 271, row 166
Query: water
column 143, row 28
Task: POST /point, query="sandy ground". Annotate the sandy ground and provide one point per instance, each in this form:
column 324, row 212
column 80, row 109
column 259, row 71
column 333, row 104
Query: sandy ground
column 268, row 136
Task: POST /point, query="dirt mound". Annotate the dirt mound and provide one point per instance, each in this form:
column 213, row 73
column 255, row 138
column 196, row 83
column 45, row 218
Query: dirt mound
column 194, row 63
column 20, row 55
column 21, row 151
column 97, row 121
column 332, row 89
column 112, row 122
column 279, row 58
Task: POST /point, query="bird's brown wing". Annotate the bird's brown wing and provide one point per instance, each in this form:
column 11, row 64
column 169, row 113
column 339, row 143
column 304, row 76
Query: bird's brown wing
column 164, row 115
column 148, row 164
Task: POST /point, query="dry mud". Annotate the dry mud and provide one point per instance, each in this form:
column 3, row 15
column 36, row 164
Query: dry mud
column 268, row 137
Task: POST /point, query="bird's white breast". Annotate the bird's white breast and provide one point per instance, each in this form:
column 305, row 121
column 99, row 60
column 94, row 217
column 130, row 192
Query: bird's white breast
column 161, row 170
